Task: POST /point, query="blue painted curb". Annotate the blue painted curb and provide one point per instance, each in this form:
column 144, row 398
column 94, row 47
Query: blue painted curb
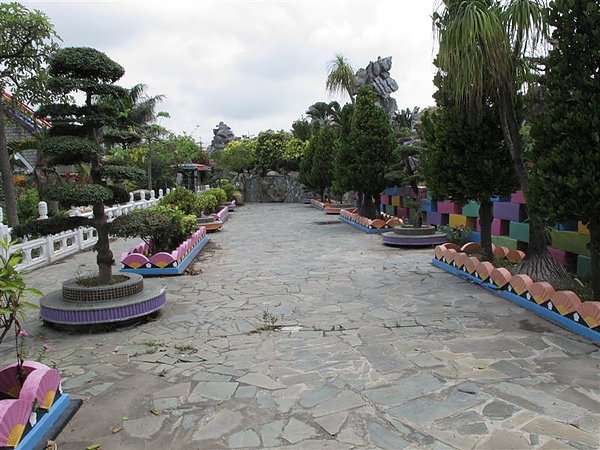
column 554, row 317
column 172, row 270
column 37, row 433
column 365, row 229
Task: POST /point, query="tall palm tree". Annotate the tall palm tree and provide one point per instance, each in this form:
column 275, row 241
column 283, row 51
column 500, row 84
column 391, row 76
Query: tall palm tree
column 341, row 77
column 483, row 41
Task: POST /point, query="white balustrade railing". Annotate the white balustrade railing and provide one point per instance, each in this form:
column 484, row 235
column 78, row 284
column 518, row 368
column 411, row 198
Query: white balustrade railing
column 43, row 251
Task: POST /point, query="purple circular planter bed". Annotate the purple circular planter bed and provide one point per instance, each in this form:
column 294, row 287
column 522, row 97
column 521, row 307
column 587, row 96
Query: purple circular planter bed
column 102, row 304
column 414, row 237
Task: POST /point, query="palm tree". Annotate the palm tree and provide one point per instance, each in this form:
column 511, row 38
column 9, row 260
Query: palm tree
column 323, row 114
column 341, row 77
column 490, row 41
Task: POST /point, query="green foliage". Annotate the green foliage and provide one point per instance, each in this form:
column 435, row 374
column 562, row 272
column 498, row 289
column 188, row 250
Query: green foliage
column 85, row 62
column 456, row 235
column 370, row 150
column 270, row 146
column 228, row 188
column 65, row 150
column 293, row 151
column 207, row 203
column 567, row 134
column 119, row 173
column 12, row 288
column 27, row 204
column 163, row 227
column 218, row 193
column 182, row 199
column 76, row 194
column 301, row 129
column 465, row 159
column 54, row 225
column 237, row 156
column 317, row 164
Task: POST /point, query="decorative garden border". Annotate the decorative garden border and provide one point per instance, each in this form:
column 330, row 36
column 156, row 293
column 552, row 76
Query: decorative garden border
column 163, row 263
column 37, row 408
column 369, row 226
column 564, row 308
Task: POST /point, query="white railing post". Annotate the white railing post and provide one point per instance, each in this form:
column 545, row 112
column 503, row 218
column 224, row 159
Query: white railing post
column 160, row 193
column 42, row 210
column 144, row 201
column 168, row 191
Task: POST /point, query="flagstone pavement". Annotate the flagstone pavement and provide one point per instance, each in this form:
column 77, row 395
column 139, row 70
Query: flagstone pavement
column 373, row 348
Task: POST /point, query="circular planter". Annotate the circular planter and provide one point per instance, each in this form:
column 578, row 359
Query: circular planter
column 414, row 237
column 424, row 230
column 79, row 305
column 72, row 291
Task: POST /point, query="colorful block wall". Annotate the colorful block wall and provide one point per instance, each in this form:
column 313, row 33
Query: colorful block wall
column 510, row 226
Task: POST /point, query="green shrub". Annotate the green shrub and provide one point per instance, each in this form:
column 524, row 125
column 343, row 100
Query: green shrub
column 219, row 194
column 27, row 204
column 183, row 199
column 208, row 203
column 229, row 188
column 164, row 228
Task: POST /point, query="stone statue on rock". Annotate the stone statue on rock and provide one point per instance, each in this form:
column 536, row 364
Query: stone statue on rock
column 377, row 75
column 223, row 136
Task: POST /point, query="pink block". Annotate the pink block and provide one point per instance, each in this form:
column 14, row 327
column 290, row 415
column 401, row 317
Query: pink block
column 385, row 200
column 560, row 255
column 518, row 197
column 449, row 207
column 402, row 212
column 500, row 227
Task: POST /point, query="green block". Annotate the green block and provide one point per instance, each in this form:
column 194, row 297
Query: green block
column 505, row 242
column 571, row 241
column 519, row 231
column 471, row 209
column 390, row 209
column 584, row 267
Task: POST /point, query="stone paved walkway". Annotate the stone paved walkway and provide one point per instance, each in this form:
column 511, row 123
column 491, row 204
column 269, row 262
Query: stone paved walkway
column 379, row 350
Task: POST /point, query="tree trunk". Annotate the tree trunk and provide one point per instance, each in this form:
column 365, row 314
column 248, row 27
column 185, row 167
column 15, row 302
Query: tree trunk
column 149, row 167
column 368, row 208
column 485, row 221
column 10, row 200
column 594, row 227
column 104, row 258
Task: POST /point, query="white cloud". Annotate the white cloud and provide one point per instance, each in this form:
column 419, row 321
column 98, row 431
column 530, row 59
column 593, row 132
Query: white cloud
column 256, row 64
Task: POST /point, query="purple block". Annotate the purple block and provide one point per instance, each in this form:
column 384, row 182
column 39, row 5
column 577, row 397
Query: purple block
column 449, row 207
column 437, row 218
column 518, row 197
column 500, row 227
column 385, row 200
column 559, row 255
column 509, row 211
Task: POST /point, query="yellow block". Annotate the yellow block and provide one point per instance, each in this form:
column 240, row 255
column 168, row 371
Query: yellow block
column 396, row 200
column 582, row 229
column 458, row 220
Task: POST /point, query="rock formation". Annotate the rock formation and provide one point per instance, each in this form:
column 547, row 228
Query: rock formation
column 377, row 75
column 223, row 136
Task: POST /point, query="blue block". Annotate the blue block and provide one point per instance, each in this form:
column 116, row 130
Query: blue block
column 429, row 205
column 475, row 236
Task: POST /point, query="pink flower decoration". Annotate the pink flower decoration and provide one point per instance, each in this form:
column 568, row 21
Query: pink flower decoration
column 46, row 347
column 23, row 333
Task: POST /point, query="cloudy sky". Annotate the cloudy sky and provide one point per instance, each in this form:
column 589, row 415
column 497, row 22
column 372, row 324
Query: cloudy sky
column 254, row 65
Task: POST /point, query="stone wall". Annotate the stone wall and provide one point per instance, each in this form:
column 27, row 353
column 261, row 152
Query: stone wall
column 272, row 188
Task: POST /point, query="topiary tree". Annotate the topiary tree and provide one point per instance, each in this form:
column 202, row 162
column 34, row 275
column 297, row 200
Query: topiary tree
column 370, row 151
column 317, row 167
column 75, row 138
column 565, row 182
column 466, row 159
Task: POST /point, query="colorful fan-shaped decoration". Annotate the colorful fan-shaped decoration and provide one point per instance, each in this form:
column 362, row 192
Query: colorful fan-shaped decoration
column 14, row 415
column 41, row 385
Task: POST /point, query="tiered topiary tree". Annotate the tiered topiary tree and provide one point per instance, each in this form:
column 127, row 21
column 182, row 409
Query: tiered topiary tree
column 316, row 167
column 566, row 176
column 370, row 151
column 466, row 159
column 75, row 138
